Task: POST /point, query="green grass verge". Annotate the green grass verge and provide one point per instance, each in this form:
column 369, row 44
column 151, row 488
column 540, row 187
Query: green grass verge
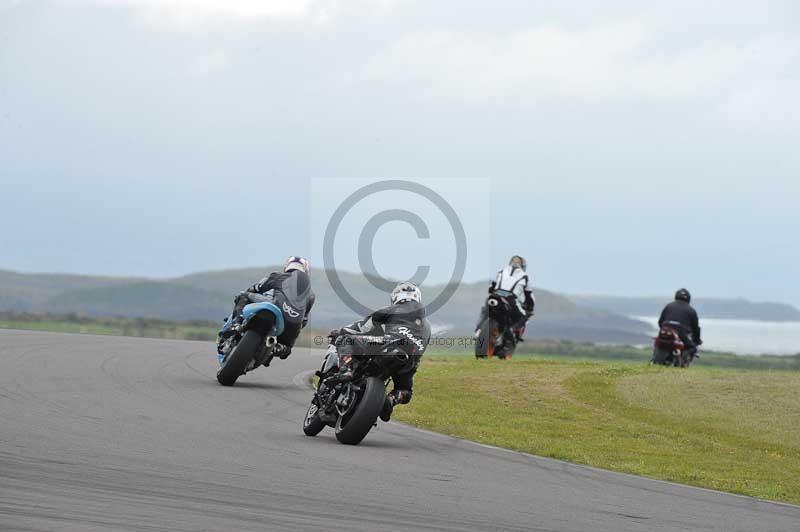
column 567, row 350
column 730, row 430
column 136, row 327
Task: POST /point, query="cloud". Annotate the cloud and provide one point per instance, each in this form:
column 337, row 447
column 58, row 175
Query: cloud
column 188, row 13
column 202, row 9
column 210, row 63
column 616, row 61
column 543, row 60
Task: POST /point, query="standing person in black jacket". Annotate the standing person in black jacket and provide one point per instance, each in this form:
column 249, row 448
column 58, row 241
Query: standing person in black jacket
column 290, row 291
column 681, row 316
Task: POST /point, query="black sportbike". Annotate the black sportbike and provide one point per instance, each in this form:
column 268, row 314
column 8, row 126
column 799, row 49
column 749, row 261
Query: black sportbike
column 351, row 401
column 496, row 335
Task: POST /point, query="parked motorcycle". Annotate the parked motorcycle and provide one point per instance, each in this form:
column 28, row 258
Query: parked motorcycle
column 669, row 349
column 496, row 336
column 351, row 400
column 251, row 343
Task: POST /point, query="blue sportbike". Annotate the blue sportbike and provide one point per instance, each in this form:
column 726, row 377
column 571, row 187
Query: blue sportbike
column 251, row 343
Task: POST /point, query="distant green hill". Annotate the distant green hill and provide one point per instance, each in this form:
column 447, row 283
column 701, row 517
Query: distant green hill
column 556, row 316
column 732, row 309
column 209, row 296
column 158, row 299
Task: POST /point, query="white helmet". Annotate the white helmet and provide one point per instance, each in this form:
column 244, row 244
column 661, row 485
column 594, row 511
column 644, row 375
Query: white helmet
column 296, row 263
column 406, row 292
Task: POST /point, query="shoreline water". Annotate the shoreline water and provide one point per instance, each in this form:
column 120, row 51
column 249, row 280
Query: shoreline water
column 745, row 337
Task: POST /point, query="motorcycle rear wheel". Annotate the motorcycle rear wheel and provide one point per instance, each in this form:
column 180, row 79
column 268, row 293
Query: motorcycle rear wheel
column 662, row 356
column 484, row 344
column 237, row 361
column 352, row 428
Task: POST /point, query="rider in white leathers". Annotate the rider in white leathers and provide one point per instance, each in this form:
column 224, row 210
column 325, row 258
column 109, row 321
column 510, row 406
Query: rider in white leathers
column 514, row 278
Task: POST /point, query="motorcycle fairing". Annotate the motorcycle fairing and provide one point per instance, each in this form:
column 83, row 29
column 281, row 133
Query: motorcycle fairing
column 253, row 309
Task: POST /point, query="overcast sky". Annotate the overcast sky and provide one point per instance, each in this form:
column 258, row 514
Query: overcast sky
column 623, row 149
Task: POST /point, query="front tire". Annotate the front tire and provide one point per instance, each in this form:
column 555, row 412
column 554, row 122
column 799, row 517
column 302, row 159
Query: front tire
column 312, row 424
column 241, row 355
column 364, row 415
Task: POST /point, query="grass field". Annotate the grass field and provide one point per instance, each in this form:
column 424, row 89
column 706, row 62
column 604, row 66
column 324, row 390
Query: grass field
column 577, row 351
column 724, row 429
column 142, row 327
column 138, row 327
column 310, row 337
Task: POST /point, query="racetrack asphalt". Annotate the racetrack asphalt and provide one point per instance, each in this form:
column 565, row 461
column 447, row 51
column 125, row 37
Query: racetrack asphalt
column 102, row 433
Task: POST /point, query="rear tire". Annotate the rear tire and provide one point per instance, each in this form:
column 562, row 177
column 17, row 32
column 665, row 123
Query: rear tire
column 661, row 356
column 365, row 414
column 484, row 345
column 312, row 424
column 512, row 347
column 237, row 361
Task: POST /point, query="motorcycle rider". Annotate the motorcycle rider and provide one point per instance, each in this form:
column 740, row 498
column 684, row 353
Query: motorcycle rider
column 682, row 317
column 513, row 278
column 402, row 323
column 290, row 290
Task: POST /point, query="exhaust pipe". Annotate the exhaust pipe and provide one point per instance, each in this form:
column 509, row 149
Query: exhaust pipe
column 271, row 341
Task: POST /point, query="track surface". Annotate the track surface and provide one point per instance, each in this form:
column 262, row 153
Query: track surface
column 102, row 433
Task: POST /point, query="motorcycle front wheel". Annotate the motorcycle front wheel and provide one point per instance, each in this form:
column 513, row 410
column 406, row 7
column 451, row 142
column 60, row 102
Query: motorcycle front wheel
column 312, row 424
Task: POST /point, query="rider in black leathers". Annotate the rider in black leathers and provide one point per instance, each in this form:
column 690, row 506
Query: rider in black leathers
column 290, row 290
column 402, row 323
column 681, row 316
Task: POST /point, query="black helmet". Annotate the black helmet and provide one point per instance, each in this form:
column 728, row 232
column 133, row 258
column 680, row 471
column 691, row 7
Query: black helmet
column 683, row 295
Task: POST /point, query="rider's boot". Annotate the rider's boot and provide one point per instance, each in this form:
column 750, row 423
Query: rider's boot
column 282, row 351
column 388, row 408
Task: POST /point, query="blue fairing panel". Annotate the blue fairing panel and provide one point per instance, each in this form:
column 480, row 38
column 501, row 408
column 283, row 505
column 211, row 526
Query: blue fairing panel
column 254, row 308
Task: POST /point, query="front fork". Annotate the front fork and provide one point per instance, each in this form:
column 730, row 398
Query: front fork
column 336, row 392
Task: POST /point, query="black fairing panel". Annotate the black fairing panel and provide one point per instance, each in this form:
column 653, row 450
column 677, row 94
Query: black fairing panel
column 262, row 323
